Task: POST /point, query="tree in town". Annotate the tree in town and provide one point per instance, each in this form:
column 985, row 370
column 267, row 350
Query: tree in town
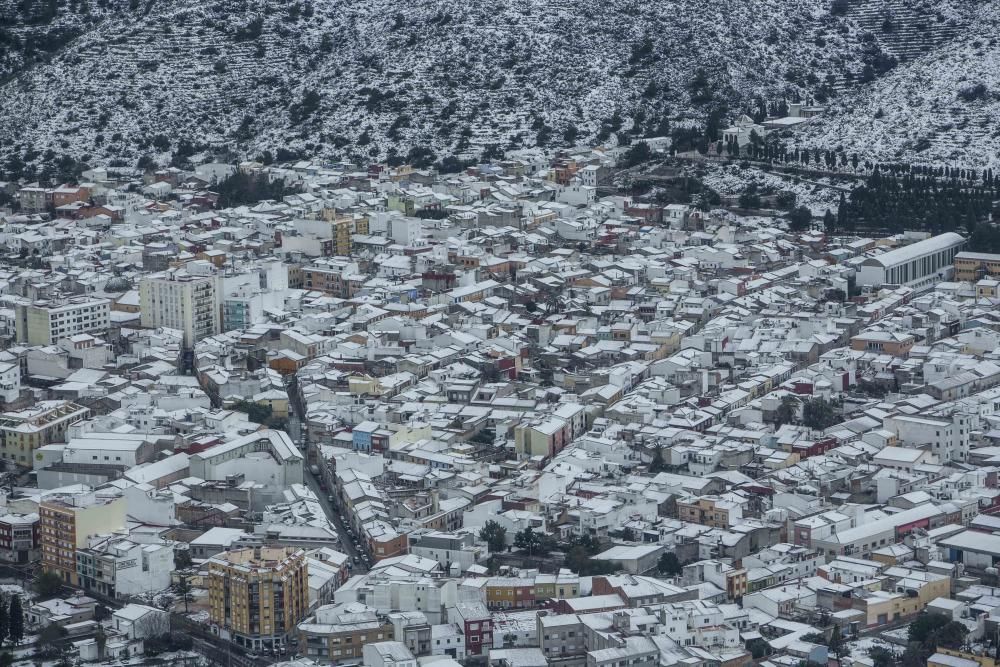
column 242, row 188
column 580, row 557
column 836, row 644
column 749, row 197
column 829, row 222
column 50, row 638
column 101, row 638
column 799, row 218
column 494, row 535
column 787, row 409
column 924, row 628
column 915, row 655
column 16, row 615
column 256, row 412
column 4, row 620
column 759, row 648
column 657, row 465
column 535, row 543
column 985, row 238
column 836, row 295
column 183, row 589
column 182, row 559
column 951, row 635
column 669, row 564
column 882, row 656
column 637, row 154
column 785, row 200
column 817, row 413
column 571, row 134
column 527, row 540
column 47, row 585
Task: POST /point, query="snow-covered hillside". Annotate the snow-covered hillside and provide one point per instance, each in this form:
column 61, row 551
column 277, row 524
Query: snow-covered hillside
column 358, row 79
column 943, row 107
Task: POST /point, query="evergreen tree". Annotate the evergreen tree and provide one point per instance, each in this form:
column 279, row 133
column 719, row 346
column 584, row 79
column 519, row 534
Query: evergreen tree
column 102, row 641
column 657, row 465
column 829, row 222
column 4, row 620
column 184, row 590
column 785, row 414
column 817, row 413
column 241, row 188
column 799, row 219
column 16, row 622
column 669, row 564
column 494, row 535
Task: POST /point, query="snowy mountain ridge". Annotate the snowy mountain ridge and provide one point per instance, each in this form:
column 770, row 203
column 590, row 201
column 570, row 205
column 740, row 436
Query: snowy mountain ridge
column 359, row 80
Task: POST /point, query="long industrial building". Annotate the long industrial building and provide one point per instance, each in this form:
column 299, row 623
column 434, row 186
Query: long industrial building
column 921, row 263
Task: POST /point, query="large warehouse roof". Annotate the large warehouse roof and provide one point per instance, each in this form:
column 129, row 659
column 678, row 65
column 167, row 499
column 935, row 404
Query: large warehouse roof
column 910, row 252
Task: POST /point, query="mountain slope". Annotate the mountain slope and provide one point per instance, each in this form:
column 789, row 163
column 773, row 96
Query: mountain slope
column 943, row 107
column 358, row 79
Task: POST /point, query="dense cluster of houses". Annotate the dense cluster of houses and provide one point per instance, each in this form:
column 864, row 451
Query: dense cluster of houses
column 400, row 417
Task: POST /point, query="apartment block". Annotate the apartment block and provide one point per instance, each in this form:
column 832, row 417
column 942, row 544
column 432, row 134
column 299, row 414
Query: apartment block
column 258, row 595
column 67, row 521
column 24, row 431
column 182, row 301
column 338, row 633
column 47, row 322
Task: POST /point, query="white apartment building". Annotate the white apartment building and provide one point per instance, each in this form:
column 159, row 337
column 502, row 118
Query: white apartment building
column 120, row 568
column 179, row 300
column 10, row 382
column 945, row 436
column 46, row 322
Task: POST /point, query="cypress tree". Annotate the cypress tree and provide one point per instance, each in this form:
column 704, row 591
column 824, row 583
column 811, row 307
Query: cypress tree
column 829, row 222
column 16, row 620
column 4, row 620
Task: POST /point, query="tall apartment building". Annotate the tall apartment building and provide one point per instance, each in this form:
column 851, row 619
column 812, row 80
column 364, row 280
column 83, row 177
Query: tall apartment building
column 24, row 431
column 182, row 301
column 258, row 595
column 47, row 322
column 66, row 521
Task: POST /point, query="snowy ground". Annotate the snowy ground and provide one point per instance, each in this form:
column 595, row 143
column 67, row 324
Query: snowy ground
column 860, row 647
column 360, row 78
column 731, row 180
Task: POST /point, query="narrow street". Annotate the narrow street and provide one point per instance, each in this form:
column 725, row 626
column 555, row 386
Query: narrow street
column 297, row 434
column 346, row 539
